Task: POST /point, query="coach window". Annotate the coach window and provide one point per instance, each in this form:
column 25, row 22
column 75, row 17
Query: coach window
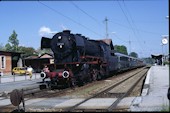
column 3, row 62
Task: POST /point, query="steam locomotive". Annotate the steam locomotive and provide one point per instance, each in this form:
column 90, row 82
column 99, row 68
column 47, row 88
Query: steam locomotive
column 78, row 59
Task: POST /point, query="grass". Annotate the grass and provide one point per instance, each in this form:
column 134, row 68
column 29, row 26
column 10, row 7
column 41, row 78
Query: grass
column 165, row 108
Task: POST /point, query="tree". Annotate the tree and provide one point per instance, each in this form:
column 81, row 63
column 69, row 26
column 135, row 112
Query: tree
column 2, row 47
column 42, row 51
column 121, row 49
column 148, row 60
column 13, row 43
column 8, row 47
column 133, row 54
column 27, row 51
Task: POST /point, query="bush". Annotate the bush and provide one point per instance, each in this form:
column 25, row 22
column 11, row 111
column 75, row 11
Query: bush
column 166, row 63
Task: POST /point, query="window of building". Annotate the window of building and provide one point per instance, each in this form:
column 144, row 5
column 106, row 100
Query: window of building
column 2, row 62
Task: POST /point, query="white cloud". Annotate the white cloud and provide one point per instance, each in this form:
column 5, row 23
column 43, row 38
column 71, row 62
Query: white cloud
column 44, row 31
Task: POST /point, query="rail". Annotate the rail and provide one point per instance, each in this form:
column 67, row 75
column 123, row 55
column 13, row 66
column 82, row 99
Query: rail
column 32, row 90
column 73, row 108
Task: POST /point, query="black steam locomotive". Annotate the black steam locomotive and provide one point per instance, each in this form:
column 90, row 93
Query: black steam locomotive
column 78, row 59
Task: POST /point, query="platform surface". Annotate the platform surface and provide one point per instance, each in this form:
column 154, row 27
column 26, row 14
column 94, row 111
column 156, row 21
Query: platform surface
column 154, row 94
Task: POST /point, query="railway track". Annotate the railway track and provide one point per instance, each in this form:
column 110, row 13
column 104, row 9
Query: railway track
column 29, row 93
column 119, row 98
column 39, row 94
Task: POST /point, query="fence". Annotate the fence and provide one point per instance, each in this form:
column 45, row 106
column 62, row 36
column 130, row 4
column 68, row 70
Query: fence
column 14, row 78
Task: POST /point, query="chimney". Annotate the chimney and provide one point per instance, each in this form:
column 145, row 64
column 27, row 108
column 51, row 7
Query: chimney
column 66, row 31
column 78, row 34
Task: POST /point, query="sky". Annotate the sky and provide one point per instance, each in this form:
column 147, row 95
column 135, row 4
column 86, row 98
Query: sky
column 139, row 25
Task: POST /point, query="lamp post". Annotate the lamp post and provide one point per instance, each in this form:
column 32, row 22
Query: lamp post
column 162, row 54
column 164, row 42
column 167, row 17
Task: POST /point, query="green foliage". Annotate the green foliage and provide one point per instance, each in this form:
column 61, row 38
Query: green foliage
column 8, row 47
column 15, row 58
column 42, row 51
column 13, row 46
column 133, row 54
column 121, row 49
column 165, row 108
column 27, row 51
column 2, row 48
column 166, row 62
column 148, row 60
column 13, row 39
column 13, row 43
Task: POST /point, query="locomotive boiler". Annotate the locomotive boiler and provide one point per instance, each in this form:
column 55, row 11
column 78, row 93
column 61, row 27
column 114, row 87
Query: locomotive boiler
column 69, row 47
column 78, row 59
column 76, row 55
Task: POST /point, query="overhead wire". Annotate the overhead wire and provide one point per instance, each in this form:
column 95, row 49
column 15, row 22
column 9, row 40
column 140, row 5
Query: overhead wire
column 134, row 25
column 141, row 30
column 130, row 25
column 126, row 18
column 121, row 39
column 85, row 12
column 69, row 18
column 139, row 36
column 93, row 18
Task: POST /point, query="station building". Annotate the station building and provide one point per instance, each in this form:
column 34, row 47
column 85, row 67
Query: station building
column 38, row 62
column 9, row 60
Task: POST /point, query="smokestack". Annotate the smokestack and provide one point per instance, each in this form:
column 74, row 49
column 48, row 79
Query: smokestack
column 78, row 34
column 66, row 31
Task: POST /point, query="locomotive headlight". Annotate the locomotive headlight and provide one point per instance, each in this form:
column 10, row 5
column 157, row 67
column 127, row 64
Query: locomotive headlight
column 61, row 46
column 65, row 74
column 59, row 37
column 43, row 75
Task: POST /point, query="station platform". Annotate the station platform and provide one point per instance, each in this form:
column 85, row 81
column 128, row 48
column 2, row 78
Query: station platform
column 11, row 82
column 154, row 93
